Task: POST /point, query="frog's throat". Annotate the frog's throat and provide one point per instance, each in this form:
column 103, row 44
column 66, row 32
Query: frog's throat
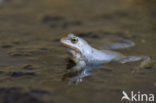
column 69, row 46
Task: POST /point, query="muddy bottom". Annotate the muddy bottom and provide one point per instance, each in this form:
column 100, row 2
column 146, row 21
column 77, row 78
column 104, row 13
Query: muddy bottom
column 34, row 65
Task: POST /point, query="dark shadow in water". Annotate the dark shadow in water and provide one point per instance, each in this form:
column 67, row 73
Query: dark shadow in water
column 73, row 76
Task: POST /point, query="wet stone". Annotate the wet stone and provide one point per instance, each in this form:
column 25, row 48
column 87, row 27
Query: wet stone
column 21, row 74
column 28, row 67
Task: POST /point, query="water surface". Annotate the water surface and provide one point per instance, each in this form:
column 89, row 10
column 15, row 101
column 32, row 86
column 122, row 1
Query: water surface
column 33, row 63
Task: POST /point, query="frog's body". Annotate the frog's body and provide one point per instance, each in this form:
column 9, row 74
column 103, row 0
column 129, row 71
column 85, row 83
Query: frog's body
column 83, row 53
column 104, row 56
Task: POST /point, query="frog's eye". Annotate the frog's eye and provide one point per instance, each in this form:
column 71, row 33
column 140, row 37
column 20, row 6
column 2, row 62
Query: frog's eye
column 74, row 40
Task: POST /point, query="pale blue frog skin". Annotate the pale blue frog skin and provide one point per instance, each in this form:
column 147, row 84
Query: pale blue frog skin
column 83, row 54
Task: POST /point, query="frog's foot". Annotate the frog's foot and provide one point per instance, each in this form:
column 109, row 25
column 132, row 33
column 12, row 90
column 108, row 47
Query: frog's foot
column 145, row 60
column 85, row 73
column 121, row 45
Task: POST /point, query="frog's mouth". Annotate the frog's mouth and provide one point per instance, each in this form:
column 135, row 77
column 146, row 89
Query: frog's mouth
column 68, row 45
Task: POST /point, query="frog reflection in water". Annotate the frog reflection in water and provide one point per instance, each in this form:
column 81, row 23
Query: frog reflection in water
column 83, row 54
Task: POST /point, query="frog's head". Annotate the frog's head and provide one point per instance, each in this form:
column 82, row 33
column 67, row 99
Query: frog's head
column 76, row 44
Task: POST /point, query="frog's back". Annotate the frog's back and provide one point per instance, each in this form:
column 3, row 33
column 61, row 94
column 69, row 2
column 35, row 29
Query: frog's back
column 106, row 56
column 116, row 55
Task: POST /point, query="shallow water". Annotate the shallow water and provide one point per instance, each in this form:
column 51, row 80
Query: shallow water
column 33, row 63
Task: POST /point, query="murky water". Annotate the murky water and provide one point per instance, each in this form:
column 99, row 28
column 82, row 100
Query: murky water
column 33, row 63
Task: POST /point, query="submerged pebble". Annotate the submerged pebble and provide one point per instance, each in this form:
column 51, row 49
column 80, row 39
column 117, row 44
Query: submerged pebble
column 28, row 67
column 21, row 74
column 6, row 46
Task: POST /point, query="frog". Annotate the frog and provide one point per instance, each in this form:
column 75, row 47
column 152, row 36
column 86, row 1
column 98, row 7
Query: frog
column 84, row 54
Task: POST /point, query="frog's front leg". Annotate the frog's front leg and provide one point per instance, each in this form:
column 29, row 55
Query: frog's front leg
column 145, row 60
column 79, row 77
column 121, row 45
column 79, row 66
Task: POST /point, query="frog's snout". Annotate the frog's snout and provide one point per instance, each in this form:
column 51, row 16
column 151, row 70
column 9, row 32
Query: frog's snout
column 64, row 39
